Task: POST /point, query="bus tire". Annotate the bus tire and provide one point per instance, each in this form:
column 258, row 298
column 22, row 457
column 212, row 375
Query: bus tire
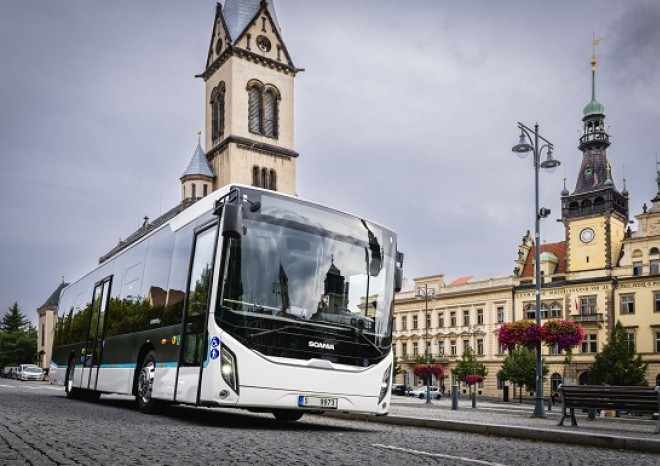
column 287, row 415
column 72, row 393
column 145, row 384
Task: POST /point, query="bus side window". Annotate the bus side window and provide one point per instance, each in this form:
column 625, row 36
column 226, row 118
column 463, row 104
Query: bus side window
column 178, row 273
column 156, row 273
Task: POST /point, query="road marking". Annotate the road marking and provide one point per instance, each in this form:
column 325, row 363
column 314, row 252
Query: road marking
column 32, row 387
column 436, row 455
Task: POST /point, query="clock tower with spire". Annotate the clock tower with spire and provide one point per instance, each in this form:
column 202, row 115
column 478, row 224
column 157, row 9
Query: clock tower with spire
column 249, row 98
column 595, row 214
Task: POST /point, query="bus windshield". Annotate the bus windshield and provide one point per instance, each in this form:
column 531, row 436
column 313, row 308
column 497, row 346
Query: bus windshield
column 303, row 280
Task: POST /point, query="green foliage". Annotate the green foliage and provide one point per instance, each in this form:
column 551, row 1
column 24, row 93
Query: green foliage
column 397, row 369
column 520, row 368
column 468, row 365
column 18, row 339
column 421, row 359
column 617, row 363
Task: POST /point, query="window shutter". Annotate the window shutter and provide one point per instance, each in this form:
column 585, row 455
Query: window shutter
column 270, row 115
column 254, row 110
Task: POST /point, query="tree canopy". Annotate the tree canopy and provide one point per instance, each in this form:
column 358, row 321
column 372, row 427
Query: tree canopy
column 18, row 338
column 617, row 363
column 468, row 365
column 520, row 368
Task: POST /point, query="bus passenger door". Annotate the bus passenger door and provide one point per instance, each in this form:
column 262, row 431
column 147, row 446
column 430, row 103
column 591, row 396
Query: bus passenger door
column 94, row 346
column 194, row 347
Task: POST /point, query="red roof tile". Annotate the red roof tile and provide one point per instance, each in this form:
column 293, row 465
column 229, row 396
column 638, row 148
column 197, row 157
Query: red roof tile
column 558, row 249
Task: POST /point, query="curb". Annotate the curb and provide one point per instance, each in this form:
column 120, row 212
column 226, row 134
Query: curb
column 527, row 433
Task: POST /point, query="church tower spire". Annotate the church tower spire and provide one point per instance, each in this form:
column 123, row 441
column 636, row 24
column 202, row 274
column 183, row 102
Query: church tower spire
column 595, row 214
column 249, row 98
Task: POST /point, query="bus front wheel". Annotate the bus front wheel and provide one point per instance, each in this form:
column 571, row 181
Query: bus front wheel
column 72, row 393
column 145, row 385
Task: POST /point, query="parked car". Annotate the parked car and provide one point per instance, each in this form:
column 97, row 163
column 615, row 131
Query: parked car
column 420, row 392
column 400, row 389
column 30, row 372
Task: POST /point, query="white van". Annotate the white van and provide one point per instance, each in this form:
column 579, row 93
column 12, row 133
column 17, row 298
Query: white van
column 30, row 372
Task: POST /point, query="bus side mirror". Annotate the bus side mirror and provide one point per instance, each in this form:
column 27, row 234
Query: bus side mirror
column 398, row 272
column 232, row 220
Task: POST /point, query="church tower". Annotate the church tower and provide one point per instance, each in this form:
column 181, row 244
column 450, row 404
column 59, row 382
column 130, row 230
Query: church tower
column 249, row 98
column 595, row 215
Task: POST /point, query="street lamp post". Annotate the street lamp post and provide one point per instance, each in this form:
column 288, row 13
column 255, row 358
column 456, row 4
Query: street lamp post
column 473, row 330
column 427, row 294
column 525, row 145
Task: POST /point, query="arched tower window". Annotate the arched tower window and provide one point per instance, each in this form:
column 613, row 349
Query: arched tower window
column 264, row 178
column 194, row 191
column 218, row 111
column 263, row 109
column 255, row 176
column 273, row 180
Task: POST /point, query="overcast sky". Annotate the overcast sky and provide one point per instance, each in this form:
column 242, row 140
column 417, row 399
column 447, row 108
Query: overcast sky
column 405, row 114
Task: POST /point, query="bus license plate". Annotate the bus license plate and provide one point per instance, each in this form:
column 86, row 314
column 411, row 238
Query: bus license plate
column 317, row 402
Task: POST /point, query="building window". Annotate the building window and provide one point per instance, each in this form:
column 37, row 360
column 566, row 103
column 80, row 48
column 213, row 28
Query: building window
column 588, row 305
column 555, row 381
column 630, row 336
column 480, row 316
column 441, row 348
column 530, row 312
column 466, row 318
column 453, row 347
column 414, row 323
column 637, row 268
column 555, row 310
column 544, row 311
column 43, row 335
column 656, row 302
column 404, row 322
column 264, row 178
column 452, row 318
column 501, row 349
column 657, row 342
column 654, row 266
column 590, row 343
column 218, row 111
column 194, row 191
column 466, row 345
column 404, row 347
column 500, row 314
column 428, row 321
column 206, row 189
column 415, row 350
column 255, row 176
column 627, row 304
column 441, row 321
column 394, row 325
column 554, row 349
column 480, row 347
column 263, row 109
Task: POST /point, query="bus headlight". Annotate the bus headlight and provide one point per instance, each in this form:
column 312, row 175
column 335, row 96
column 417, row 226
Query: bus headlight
column 228, row 368
column 385, row 385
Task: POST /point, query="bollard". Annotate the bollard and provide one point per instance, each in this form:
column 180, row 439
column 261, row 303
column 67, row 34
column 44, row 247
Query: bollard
column 550, row 403
column 454, row 397
column 591, row 416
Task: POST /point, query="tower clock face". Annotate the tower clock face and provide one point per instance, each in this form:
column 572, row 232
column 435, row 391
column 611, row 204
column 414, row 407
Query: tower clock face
column 587, row 235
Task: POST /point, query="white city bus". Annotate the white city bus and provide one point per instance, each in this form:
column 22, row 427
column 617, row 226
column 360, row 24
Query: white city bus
column 248, row 299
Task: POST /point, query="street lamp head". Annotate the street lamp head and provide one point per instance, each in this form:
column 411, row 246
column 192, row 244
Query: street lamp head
column 523, row 147
column 550, row 164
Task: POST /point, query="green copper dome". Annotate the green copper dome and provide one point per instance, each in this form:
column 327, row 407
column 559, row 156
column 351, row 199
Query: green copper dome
column 548, row 257
column 594, row 108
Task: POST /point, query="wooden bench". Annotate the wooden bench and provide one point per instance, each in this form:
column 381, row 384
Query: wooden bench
column 638, row 400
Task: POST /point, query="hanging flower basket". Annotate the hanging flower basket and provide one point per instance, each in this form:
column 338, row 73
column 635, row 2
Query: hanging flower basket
column 424, row 370
column 473, row 379
column 523, row 333
column 565, row 334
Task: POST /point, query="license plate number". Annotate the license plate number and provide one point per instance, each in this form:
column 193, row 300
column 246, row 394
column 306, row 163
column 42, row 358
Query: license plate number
column 317, row 402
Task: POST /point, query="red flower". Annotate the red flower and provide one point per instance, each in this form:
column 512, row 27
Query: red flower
column 522, row 333
column 424, row 370
column 565, row 334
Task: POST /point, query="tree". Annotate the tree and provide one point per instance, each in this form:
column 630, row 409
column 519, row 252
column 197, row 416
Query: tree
column 520, row 368
column 469, row 366
column 18, row 338
column 617, row 363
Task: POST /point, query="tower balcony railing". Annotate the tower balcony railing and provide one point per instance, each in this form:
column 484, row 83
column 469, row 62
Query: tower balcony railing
column 595, row 136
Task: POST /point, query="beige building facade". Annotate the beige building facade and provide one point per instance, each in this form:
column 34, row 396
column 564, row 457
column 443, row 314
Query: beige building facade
column 601, row 273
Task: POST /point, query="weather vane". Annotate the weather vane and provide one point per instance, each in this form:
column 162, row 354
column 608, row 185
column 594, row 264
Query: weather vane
column 594, row 43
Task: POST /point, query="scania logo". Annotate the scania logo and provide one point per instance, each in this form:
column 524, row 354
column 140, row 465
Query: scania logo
column 320, row 344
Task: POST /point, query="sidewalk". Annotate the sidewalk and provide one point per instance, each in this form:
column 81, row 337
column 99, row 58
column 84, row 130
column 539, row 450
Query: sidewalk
column 515, row 420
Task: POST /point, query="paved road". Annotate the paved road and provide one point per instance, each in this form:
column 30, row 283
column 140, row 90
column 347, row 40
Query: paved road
column 39, row 426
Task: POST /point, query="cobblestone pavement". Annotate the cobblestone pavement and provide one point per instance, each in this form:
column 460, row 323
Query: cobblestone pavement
column 39, row 426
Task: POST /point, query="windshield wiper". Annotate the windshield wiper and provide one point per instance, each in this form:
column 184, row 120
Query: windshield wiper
column 355, row 332
column 275, row 330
